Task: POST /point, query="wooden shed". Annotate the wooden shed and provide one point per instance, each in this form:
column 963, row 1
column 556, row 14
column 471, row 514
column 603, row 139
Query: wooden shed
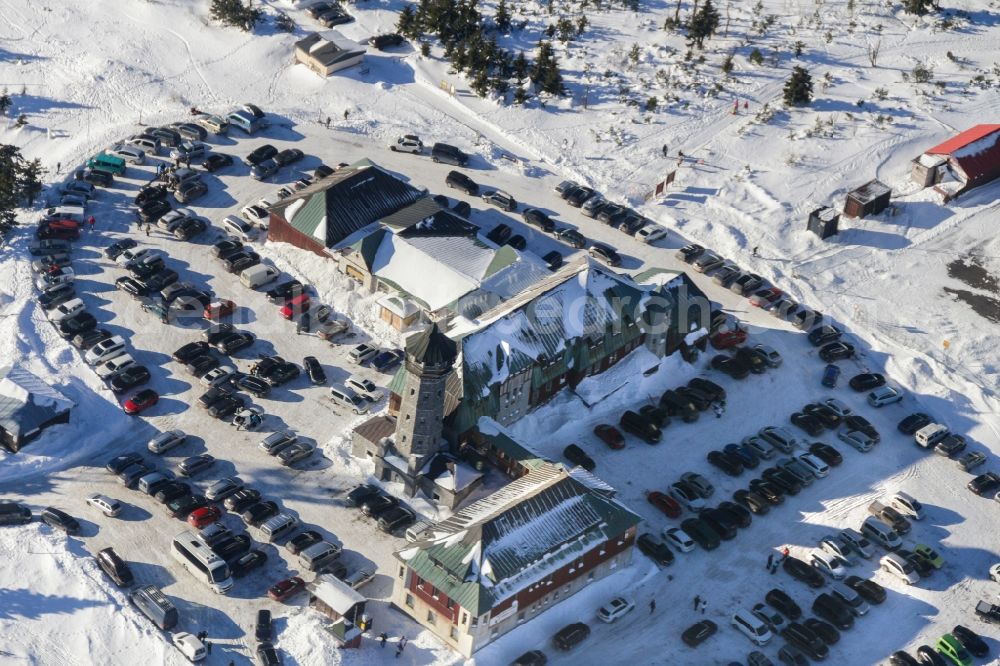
column 824, row 222
column 869, row 199
column 341, row 603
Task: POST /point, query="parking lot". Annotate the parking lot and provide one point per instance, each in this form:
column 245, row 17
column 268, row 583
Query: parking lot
column 734, row 575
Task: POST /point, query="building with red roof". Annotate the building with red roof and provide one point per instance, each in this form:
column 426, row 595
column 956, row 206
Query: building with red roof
column 967, row 160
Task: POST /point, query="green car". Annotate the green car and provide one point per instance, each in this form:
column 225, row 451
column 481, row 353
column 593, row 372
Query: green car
column 950, row 647
column 929, row 554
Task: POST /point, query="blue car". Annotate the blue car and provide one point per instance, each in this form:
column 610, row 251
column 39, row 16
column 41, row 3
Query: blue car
column 749, row 459
column 387, row 360
column 830, row 375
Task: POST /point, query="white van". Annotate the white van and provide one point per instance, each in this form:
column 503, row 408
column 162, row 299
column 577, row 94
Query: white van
column 906, row 505
column 319, row 554
column 884, row 395
column 189, row 646
column 345, row 397
column 166, row 441
column 240, row 228
column 360, row 577
column 74, row 213
column 877, row 531
column 752, row 627
column 276, row 527
column 930, row 435
column 105, row 350
column 259, row 275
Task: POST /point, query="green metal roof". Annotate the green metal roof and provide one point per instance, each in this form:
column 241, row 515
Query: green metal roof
column 502, row 258
column 368, row 246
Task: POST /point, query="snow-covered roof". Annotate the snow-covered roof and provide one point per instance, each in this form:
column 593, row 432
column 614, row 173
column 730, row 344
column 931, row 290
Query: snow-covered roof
column 335, row 593
column 506, row 541
column 870, row 191
column 975, row 153
column 27, row 402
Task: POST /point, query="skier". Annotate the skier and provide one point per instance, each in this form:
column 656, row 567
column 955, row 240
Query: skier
column 736, row 106
column 745, row 105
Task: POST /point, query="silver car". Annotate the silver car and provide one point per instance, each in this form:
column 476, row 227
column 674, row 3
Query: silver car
column 699, row 483
column 769, row 354
column 857, row 439
column 222, row 489
column 708, row 261
column 779, row 437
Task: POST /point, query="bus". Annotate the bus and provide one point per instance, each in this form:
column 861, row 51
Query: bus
column 203, row 564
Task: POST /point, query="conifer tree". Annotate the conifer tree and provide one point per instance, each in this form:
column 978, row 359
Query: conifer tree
column 704, row 23
column 798, row 88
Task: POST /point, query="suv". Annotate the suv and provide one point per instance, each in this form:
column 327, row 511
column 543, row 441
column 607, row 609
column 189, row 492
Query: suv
column 500, row 199
column 571, row 635
column 442, row 152
column 408, row 143
column 460, row 181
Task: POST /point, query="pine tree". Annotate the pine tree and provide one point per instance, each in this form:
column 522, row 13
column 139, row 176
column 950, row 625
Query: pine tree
column 546, row 73
column 480, row 83
column 798, row 88
column 5, row 102
column 756, row 57
column 502, row 16
column 520, row 95
column 703, row 24
column 235, row 13
column 30, row 180
column 11, row 164
column 727, row 64
column 406, row 25
column 21, row 121
column 520, row 67
column 918, row 7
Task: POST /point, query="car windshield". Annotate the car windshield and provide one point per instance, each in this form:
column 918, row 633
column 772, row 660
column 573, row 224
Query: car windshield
column 220, row 574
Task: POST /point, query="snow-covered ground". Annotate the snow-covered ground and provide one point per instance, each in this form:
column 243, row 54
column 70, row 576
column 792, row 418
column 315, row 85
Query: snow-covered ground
column 90, row 73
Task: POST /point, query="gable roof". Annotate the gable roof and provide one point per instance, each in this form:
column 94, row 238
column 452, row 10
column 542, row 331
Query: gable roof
column 508, row 540
column 975, row 151
column 26, row 402
column 347, row 201
column 870, row 191
column 329, row 48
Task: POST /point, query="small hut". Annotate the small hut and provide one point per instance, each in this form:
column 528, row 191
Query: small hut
column 869, row 199
column 824, row 221
column 341, row 603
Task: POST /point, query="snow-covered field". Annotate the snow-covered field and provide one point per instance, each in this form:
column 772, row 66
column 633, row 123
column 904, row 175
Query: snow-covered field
column 92, row 72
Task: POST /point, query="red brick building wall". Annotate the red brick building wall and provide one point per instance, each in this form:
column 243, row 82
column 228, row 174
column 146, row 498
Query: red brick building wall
column 434, row 598
column 280, row 231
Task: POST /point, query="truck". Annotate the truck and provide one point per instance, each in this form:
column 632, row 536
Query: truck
column 988, row 612
column 891, row 516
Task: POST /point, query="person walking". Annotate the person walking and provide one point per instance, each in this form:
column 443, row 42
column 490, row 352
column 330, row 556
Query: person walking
column 92, row 221
column 697, row 602
column 328, row 122
column 58, row 167
column 382, row 638
column 208, row 647
column 345, row 114
column 402, row 641
column 774, row 568
column 755, row 248
column 785, row 553
column 704, row 605
column 652, row 606
column 770, row 561
column 664, row 150
column 399, row 650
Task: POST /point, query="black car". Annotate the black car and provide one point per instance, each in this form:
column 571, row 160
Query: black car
column 265, row 152
column 971, row 641
column 746, row 456
column 151, row 211
column 199, row 365
column 285, row 291
column 836, row 351
column 699, row 632
column 517, row 241
column 697, row 397
column 217, row 161
column 578, row 456
column 531, row 658
column 184, row 505
column 500, row 234
column 314, row 370
column 902, row 658
column 701, row 533
column 189, row 228
column 571, row 237
column 460, row 181
column 160, row 280
column 655, row 549
column 234, row 342
column 753, row 501
column 802, row 637
column 115, row 567
column 216, row 332
column 130, row 286
column 130, row 377
column 255, row 386
column 823, row 335
column 289, row 156
column 119, row 463
column 143, row 271
column 212, row 396
column 115, row 249
column 265, row 366
column 914, row 422
column 826, row 453
column 382, row 42
column 803, row 571
column 395, row 519
column 240, row 261
column 769, row 491
column 605, row 253
column 267, row 655
column 378, row 504
column 226, row 247
column 826, row 416
column 360, row 494
column 869, row 589
column 150, row 193
column 746, row 284
column 928, row 656
column 190, row 351
column 241, row 499
column 721, row 522
column 257, row 513
column 858, row 422
column 300, row 542
column 387, row 360
column 658, row 416
column 553, row 259
column 731, row 366
column 226, row 406
column 231, row 548
column 826, row 631
column 833, row 610
column 166, row 136
column 807, row 422
column 282, row 374
column 571, row 635
column 85, row 341
column 80, row 323
column 171, row 490
column 737, row 513
column 247, row 562
column 867, row 381
column 263, row 630
column 783, row 479
column 537, row 218
column 56, row 295
column 984, row 484
column 751, row 359
column 783, row 603
column 723, row 462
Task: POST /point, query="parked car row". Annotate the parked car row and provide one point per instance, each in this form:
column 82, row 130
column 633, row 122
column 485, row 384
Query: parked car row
column 390, row 516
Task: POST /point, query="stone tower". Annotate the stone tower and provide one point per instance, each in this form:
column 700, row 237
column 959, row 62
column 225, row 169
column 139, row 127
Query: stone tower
column 429, row 359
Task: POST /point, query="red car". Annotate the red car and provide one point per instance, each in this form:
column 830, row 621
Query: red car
column 284, row 589
column 219, row 309
column 610, row 436
column 664, row 503
column 727, row 339
column 141, row 401
column 765, row 296
column 295, row 306
column 204, row 516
